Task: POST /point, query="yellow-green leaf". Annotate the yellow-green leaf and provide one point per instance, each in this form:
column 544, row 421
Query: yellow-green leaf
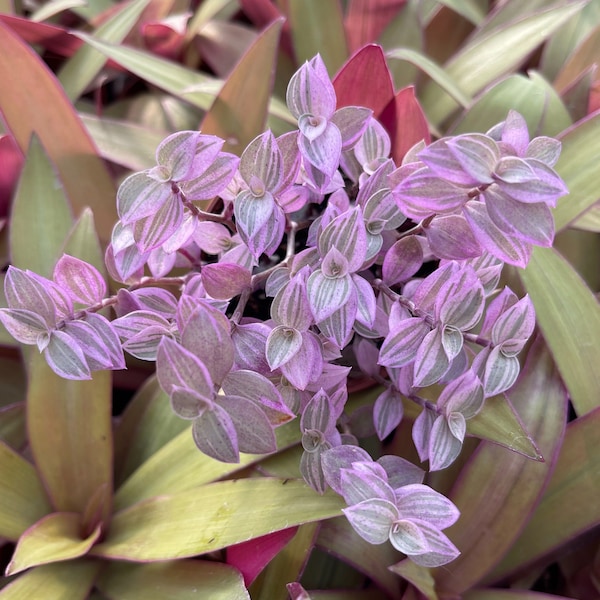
column 486, row 58
column 70, row 433
column 510, row 595
column 12, row 425
column 180, row 466
column 318, row 27
column 54, row 538
column 182, row 579
column 82, row 241
column 232, row 116
column 578, row 166
column 79, row 71
column 569, row 506
column 211, row 517
column 497, row 490
column 22, row 497
column 530, row 96
column 32, row 100
column 589, row 220
column 70, row 580
column 40, row 211
column 419, row 576
column 569, row 316
column 469, row 9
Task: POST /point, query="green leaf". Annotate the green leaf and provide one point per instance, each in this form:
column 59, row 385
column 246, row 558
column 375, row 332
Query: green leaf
column 124, row 143
column 180, row 466
column 147, row 424
column 318, row 27
column 81, row 69
column 22, row 497
column 82, row 242
column 569, row 316
column 469, row 9
column 578, row 166
column 437, row 73
column 530, row 96
column 54, row 538
column 287, row 565
column 40, row 211
column 183, row 579
column 211, row 517
column 61, row 581
column 501, row 504
column 231, row 116
column 53, row 8
column 12, row 425
column 569, row 506
column 418, row 576
column 589, row 220
column 32, row 100
column 510, row 595
column 70, row 433
column 485, row 59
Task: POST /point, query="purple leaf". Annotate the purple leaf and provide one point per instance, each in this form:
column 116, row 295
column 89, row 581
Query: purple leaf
column 400, row 472
column 213, row 180
column 402, row 260
column 156, row 300
column 408, row 538
column 306, row 365
column 288, row 146
column 326, row 294
column 373, row 145
column 501, row 372
column 431, row 361
column 450, row 237
column 215, row 435
column 460, row 301
column 400, row 347
column 99, row 342
column 282, row 344
column 150, row 232
column 141, row 196
column 338, row 327
column 514, row 326
column 24, row 290
column 254, row 432
column 310, row 91
column 421, row 433
column 372, row 519
column 290, row 306
column 477, row 155
column 134, row 322
column 428, row 290
column 441, row 549
column 144, row 344
column 324, row 151
column 359, row 484
column 463, row 395
column 338, row 458
column 387, row 412
column 515, row 133
column 352, row 122
column 176, row 152
column 444, row 447
column 249, row 341
column 262, row 159
column 82, row 281
column 225, row 280
column 445, row 165
column 318, row 414
column 189, row 404
column 212, row 238
column 65, row 357
column 367, row 307
column 252, row 212
column 24, row 325
column 311, row 469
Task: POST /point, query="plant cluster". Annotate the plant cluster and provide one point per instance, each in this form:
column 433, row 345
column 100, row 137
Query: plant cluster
column 393, row 267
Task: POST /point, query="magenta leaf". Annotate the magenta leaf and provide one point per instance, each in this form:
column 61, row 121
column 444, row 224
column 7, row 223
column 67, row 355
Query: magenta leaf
column 140, row 196
column 262, row 159
column 351, row 122
column 307, row 364
column 402, row 260
column 290, row 306
column 477, row 155
column 400, row 347
column 25, row 290
column 450, row 237
column 324, row 149
column 372, row 519
column 225, row 280
column 213, row 179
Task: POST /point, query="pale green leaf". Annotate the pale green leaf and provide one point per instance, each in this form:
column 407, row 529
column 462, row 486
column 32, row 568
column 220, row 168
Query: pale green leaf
column 182, row 579
column 418, row 576
column 147, row 424
column 318, row 27
column 123, row 142
column 79, row 71
column 70, row 433
column 569, row 316
column 469, row 9
column 207, row 10
column 589, row 220
column 530, row 96
column 22, row 497
column 12, row 425
column 211, row 517
column 578, row 166
column 569, row 506
column 82, row 242
column 438, row 74
column 54, row 538
column 501, row 504
column 70, row 580
column 510, row 595
column 40, row 211
column 53, row 8
column 485, row 59
column 180, row 466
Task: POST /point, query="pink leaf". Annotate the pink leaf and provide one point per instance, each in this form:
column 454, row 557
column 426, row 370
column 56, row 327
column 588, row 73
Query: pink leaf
column 82, row 281
column 225, row 280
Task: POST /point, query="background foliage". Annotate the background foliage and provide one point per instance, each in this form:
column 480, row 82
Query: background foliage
column 88, row 91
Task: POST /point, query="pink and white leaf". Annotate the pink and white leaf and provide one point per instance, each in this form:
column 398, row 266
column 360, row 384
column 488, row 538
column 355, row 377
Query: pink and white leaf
column 544, row 149
column 305, row 365
column 252, row 212
column 82, row 281
column 408, row 538
column 225, row 280
column 501, row 372
column 402, row 260
column 310, row 90
column 372, row 519
column 515, row 133
column 249, row 342
column 431, row 361
column 444, row 163
column 400, row 347
column 417, row 502
column 374, row 144
column 65, row 357
column 337, row 328
column 109, row 339
column 311, row 469
column 477, row 154
column 211, row 237
column 441, row 549
column 338, row 458
column 176, row 153
column 367, row 303
column 514, row 326
column 290, row 306
column 213, row 180
column 388, row 411
column 25, row 326
column 400, row 472
column 463, row 395
column 157, row 300
column 450, row 237
column 421, row 433
column 24, row 290
column 460, row 301
column 326, row 295
column 283, row 344
column 189, row 404
column 141, row 196
column 324, row 151
column 262, row 159
column 151, row 232
column 444, row 447
column 352, row 122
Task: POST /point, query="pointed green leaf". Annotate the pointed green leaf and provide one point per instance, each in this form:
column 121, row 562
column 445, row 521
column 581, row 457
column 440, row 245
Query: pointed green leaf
column 70, row 433
column 570, row 502
column 180, row 466
column 54, row 7
column 418, row 576
column 530, row 96
column 12, row 425
column 317, row 27
column 486, row 58
column 70, row 580
column 469, row 9
column 569, row 316
column 589, row 221
column 231, row 116
column 147, row 424
column 500, row 505
column 40, row 211
column 578, row 166
column 213, row 516
column 183, row 579
column 54, row 538
column 83, row 243
column 32, row 100
column 22, row 497
column 79, row 71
